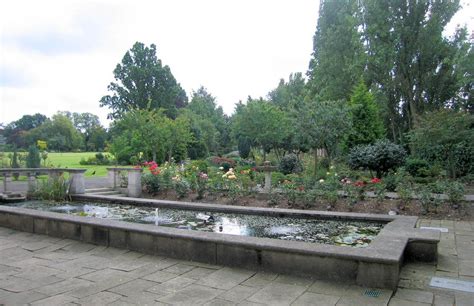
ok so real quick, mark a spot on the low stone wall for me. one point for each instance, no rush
(377, 265)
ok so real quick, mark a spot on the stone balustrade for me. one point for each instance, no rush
(76, 177)
(134, 183)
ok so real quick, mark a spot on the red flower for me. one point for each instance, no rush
(359, 184)
(375, 180)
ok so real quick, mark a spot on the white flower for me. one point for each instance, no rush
(332, 167)
(335, 174)
(327, 173)
(221, 168)
(321, 181)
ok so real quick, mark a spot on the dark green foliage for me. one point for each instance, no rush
(379, 157)
(338, 55)
(151, 183)
(446, 137)
(142, 82)
(33, 159)
(14, 160)
(290, 163)
(98, 159)
(417, 167)
(244, 146)
(454, 191)
(367, 126)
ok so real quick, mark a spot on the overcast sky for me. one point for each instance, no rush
(60, 55)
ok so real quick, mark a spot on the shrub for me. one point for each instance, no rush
(379, 157)
(244, 145)
(102, 159)
(454, 191)
(221, 161)
(55, 188)
(182, 187)
(290, 164)
(445, 137)
(417, 167)
(33, 159)
(151, 183)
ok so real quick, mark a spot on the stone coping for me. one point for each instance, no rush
(124, 169)
(5, 171)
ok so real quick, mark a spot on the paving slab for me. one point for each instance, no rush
(238, 293)
(277, 294)
(191, 295)
(315, 299)
(226, 278)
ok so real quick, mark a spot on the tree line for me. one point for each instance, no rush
(379, 70)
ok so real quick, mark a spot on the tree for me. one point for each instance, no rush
(262, 122)
(142, 82)
(338, 56)
(16, 131)
(151, 133)
(367, 126)
(204, 105)
(409, 60)
(59, 132)
(86, 124)
(446, 137)
(325, 125)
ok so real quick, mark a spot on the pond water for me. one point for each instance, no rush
(335, 232)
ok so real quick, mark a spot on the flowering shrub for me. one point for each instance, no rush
(152, 167)
(181, 186)
(201, 184)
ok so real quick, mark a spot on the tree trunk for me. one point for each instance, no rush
(315, 161)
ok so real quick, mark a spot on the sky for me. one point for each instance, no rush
(60, 55)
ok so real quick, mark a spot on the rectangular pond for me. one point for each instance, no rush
(335, 232)
(357, 248)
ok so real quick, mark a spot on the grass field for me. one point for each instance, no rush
(70, 160)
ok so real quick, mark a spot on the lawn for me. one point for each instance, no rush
(71, 160)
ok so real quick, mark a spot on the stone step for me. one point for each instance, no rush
(92, 190)
(111, 192)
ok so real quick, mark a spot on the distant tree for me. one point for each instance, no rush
(59, 132)
(204, 105)
(16, 131)
(86, 124)
(142, 82)
(324, 125)
(262, 122)
(338, 55)
(367, 126)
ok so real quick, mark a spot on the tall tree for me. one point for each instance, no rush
(338, 55)
(87, 124)
(204, 106)
(16, 132)
(409, 59)
(367, 126)
(142, 82)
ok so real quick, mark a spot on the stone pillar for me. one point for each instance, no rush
(268, 181)
(7, 178)
(77, 183)
(31, 182)
(134, 188)
(112, 178)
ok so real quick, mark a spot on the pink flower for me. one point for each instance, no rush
(375, 180)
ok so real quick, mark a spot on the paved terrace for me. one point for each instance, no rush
(42, 270)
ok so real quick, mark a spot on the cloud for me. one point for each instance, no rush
(10, 77)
